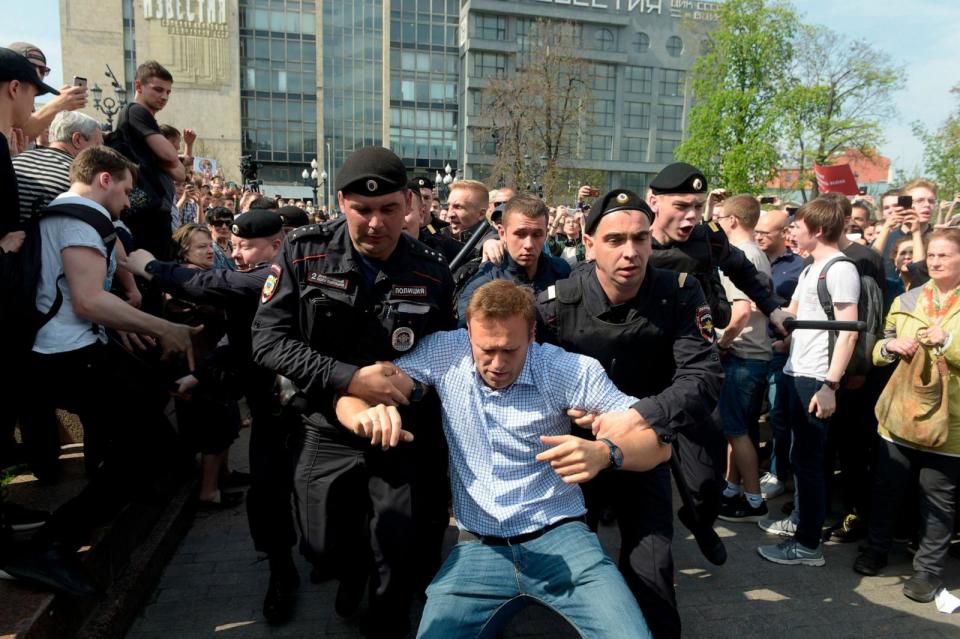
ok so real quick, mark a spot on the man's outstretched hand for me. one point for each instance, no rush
(575, 459)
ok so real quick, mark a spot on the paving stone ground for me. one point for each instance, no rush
(213, 587)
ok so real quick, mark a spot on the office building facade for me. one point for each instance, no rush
(287, 81)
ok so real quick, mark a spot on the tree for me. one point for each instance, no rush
(537, 113)
(839, 94)
(735, 119)
(941, 153)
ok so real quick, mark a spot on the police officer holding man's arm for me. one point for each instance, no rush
(344, 296)
(256, 240)
(651, 330)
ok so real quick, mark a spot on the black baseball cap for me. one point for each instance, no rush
(14, 66)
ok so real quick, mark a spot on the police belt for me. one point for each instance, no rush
(466, 535)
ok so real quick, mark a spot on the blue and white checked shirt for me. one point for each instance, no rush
(499, 488)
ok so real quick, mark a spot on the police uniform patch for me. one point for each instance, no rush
(270, 286)
(402, 339)
(705, 323)
(325, 280)
(409, 291)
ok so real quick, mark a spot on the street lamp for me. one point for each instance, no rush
(107, 105)
(314, 180)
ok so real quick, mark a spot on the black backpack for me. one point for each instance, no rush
(28, 318)
(869, 310)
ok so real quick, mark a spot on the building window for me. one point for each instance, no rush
(603, 112)
(665, 150)
(604, 77)
(633, 149)
(606, 40)
(490, 27)
(488, 65)
(640, 80)
(641, 42)
(670, 117)
(671, 84)
(600, 147)
(674, 46)
(637, 115)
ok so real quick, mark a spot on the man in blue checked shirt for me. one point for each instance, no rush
(514, 467)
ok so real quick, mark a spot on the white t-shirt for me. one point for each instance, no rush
(753, 342)
(809, 349)
(66, 331)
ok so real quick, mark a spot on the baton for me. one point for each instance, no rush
(471, 244)
(791, 324)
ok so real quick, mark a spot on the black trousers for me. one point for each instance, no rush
(355, 511)
(939, 478)
(269, 499)
(644, 507)
(137, 444)
(701, 453)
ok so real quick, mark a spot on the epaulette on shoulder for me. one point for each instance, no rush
(420, 249)
(311, 230)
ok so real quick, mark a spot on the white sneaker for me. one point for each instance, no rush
(782, 527)
(770, 486)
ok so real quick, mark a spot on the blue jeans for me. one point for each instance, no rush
(776, 399)
(741, 396)
(807, 455)
(480, 587)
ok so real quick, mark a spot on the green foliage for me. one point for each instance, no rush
(838, 94)
(735, 120)
(941, 152)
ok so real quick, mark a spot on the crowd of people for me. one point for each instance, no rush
(534, 370)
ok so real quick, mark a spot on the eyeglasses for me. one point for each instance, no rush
(221, 223)
(717, 218)
(42, 70)
(768, 233)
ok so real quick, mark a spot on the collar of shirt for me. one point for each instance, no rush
(73, 198)
(788, 256)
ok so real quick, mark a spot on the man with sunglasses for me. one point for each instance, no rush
(71, 97)
(220, 221)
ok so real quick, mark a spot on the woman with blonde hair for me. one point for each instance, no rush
(925, 317)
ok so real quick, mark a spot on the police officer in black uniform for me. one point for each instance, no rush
(651, 331)
(425, 187)
(429, 233)
(684, 244)
(257, 236)
(344, 296)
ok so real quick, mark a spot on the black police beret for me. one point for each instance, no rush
(616, 200)
(422, 183)
(257, 223)
(372, 170)
(679, 177)
(292, 216)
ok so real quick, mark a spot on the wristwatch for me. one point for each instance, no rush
(418, 389)
(831, 385)
(616, 455)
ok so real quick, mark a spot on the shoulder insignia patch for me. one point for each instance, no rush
(713, 227)
(270, 286)
(682, 279)
(704, 321)
(552, 292)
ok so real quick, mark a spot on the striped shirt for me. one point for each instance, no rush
(499, 488)
(43, 173)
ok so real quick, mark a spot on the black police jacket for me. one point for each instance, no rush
(707, 249)
(440, 242)
(659, 346)
(236, 293)
(320, 318)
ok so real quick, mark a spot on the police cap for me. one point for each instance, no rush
(422, 183)
(679, 177)
(616, 200)
(257, 223)
(372, 171)
(292, 216)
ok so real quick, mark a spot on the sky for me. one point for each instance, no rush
(920, 35)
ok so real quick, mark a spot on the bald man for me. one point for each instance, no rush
(785, 265)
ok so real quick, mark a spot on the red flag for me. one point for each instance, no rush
(836, 179)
